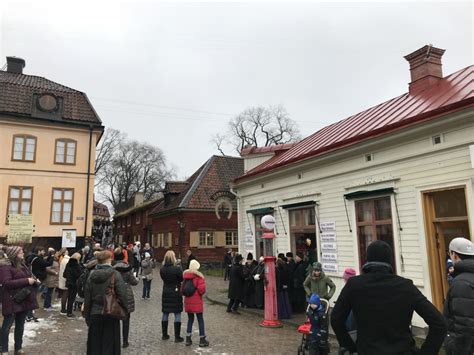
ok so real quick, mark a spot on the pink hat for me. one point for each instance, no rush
(348, 273)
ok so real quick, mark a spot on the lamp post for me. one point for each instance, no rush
(271, 307)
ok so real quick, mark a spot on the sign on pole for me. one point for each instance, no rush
(69, 238)
(21, 228)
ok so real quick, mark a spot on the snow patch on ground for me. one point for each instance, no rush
(32, 330)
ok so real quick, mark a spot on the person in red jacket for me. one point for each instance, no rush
(193, 304)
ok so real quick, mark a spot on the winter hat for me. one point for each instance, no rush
(314, 299)
(147, 255)
(12, 252)
(281, 256)
(462, 246)
(194, 265)
(317, 266)
(348, 273)
(249, 256)
(379, 251)
(289, 254)
(300, 254)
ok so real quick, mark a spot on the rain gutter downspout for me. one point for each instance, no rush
(88, 183)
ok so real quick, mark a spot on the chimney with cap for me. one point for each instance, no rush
(425, 68)
(15, 65)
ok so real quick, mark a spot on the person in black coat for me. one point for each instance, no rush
(227, 264)
(249, 283)
(259, 278)
(459, 305)
(236, 285)
(298, 301)
(383, 305)
(171, 300)
(71, 273)
(282, 281)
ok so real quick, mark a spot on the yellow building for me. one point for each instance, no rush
(48, 135)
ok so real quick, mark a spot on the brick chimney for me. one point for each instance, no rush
(15, 65)
(425, 68)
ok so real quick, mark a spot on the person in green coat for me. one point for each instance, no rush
(317, 282)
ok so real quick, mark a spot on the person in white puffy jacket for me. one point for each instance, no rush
(62, 283)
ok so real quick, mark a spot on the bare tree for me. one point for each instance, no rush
(259, 127)
(131, 167)
(108, 145)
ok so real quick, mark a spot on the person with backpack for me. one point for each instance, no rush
(193, 288)
(72, 273)
(147, 275)
(319, 333)
(130, 280)
(172, 299)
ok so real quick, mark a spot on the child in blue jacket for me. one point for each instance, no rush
(318, 336)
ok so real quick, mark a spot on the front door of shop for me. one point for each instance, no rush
(445, 219)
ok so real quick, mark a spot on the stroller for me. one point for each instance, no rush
(305, 330)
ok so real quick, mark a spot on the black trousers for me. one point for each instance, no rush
(125, 329)
(233, 304)
(19, 320)
(103, 337)
(71, 297)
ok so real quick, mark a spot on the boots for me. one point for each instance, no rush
(164, 330)
(203, 342)
(188, 340)
(177, 333)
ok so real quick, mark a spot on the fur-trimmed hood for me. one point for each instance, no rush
(190, 274)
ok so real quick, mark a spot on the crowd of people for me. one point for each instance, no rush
(97, 284)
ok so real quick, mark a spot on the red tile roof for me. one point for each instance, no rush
(215, 175)
(451, 93)
(17, 94)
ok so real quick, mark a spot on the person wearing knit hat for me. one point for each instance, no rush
(383, 304)
(193, 305)
(18, 296)
(348, 273)
(318, 336)
(459, 304)
(318, 282)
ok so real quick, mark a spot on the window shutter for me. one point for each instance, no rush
(219, 239)
(193, 239)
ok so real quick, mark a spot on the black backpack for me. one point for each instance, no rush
(81, 283)
(188, 287)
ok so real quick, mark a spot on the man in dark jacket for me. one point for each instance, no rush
(459, 305)
(383, 305)
(40, 262)
(236, 285)
(227, 264)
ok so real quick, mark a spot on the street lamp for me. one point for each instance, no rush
(271, 307)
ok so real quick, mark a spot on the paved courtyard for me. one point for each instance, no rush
(227, 333)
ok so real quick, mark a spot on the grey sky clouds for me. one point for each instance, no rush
(173, 74)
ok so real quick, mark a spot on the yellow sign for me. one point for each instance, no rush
(21, 228)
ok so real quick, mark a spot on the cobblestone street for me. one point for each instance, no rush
(227, 333)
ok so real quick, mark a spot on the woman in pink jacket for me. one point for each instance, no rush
(193, 287)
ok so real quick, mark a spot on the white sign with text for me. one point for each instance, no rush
(331, 268)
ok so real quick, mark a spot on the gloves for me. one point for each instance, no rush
(285, 287)
(256, 277)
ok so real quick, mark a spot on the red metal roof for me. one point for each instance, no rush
(451, 93)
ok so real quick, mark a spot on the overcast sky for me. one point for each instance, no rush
(172, 74)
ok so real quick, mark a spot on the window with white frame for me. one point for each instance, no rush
(206, 238)
(231, 238)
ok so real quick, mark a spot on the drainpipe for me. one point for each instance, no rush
(88, 183)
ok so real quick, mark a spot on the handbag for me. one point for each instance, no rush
(112, 306)
(21, 295)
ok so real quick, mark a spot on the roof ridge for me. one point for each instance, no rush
(39, 77)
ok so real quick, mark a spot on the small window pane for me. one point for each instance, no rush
(383, 210)
(30, 145)
(450, 203)
(67, 206)
(210, 238)
(57, 194)
(26, 193)
(25, 207)
(70, 159)
(55, 217)
(29, 156)
(14, 192)
(68, 194)
(364, 213)
(66, 217)
(13, 208)
(19, 142)
(57, 207)
(309, 217)
(385, 233)
(59, 157)
(18, 155)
